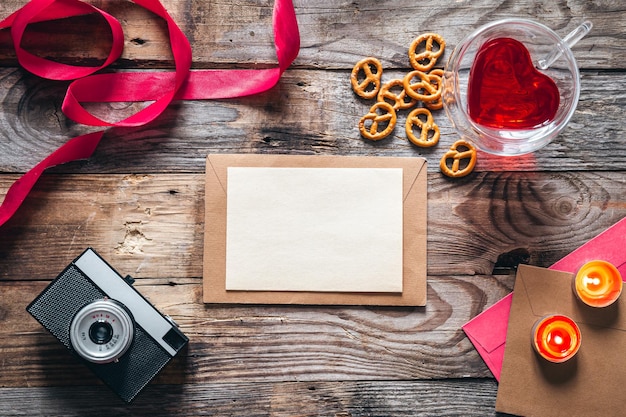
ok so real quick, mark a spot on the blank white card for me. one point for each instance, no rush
(314, 229)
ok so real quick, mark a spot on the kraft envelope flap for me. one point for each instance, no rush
(414, 230)
(550, 292)
(588, 384)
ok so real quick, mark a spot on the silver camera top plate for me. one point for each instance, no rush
(114, 286)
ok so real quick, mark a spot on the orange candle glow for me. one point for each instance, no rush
(598, 283)
(556, 338)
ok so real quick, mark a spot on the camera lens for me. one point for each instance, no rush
(102, 331)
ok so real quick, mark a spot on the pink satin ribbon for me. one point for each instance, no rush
(158, 87)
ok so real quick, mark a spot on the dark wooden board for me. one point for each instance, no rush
(463, 397)
(334, 34)
(152, 225)
(309, 112)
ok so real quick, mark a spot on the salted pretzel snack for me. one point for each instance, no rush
(400, 100)
(436, 78)
(424, 88)
(381, 116)
(366, 77)
(459, 160)
(422, 119)
(425, 50)
(422, 83)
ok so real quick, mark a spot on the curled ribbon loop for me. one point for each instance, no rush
(158, 87)
(39, 10)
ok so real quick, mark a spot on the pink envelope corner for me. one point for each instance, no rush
(487, 331)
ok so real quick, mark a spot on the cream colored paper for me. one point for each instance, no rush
(314, 229)
(414, 261)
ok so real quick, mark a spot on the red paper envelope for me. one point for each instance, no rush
(487, 331)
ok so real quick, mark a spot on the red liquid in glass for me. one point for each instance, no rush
(505, 90)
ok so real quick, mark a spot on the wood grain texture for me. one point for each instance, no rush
(125, 218)
(335, 34)
(139, 201)
(152, 225)
(274, 344)
(465, 397)
(302, 115)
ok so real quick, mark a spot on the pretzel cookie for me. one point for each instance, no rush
(425, 50)
(393, 92)
(436, 78)
(422, 119)
(379, 122)
(365, 77)
(422, 86)
(459, 160)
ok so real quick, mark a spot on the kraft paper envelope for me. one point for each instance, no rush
(414, 230)
(487, 331)
(592, 382)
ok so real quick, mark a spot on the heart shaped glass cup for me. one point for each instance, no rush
(512, 87)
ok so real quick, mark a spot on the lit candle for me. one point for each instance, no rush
(556, 338)
(598, 283)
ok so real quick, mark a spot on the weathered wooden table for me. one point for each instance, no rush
(139, 202)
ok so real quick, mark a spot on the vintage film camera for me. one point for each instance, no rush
(102, 319)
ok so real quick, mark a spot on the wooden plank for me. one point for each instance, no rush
(161, 223)
(273, 343)
(466, 397)
(152, 226)
(302, 115)
(334, 34)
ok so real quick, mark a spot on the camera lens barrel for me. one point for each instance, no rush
(102, 331)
